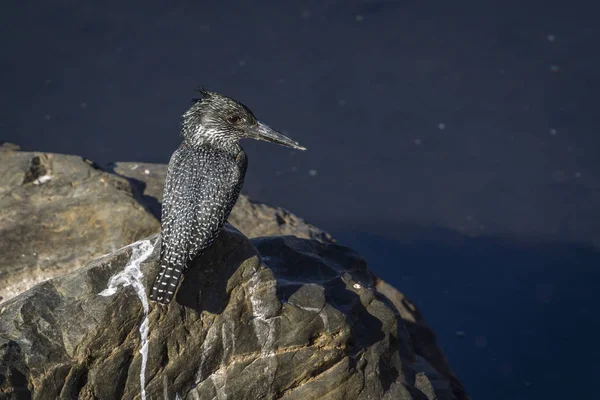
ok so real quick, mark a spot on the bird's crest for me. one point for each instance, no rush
(204, 92)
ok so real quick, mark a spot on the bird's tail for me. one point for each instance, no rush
(165, 284)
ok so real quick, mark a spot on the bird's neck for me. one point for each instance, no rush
(212, 139)
(232, 148)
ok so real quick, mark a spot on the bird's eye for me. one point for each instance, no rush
(234, 119)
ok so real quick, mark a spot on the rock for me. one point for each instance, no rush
(430, 358)
(258, 219)
(277, 317)
(57, 212)
(6, 146)
(252, 218)
(149, 179)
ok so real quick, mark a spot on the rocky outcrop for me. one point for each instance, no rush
(6, 146)
(57, 212)
(274, 317)
(271, 318)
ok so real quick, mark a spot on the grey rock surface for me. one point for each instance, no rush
(6, 146)
(57, 212)
(271, 318)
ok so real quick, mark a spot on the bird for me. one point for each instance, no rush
(204, 178)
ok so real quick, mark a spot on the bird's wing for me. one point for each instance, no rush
(213, 201)
(200, 191)
(176, 204)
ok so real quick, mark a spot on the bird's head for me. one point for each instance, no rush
(220, 120)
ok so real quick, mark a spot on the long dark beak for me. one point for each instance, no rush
(265, 132)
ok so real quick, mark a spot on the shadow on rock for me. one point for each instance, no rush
(336, 271)
(141, 194)
(207, 283)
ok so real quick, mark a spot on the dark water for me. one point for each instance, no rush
(454, 144)
(517, 319)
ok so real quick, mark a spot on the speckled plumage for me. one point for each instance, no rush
(202, 186)
(204, 179)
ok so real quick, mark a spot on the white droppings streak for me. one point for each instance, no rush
(325, 319)
(319, 311)
(132, 276)
(42, 179)
(205, 351)
(165, 387)
(263, 326)
(219, 380)
(313, 309)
